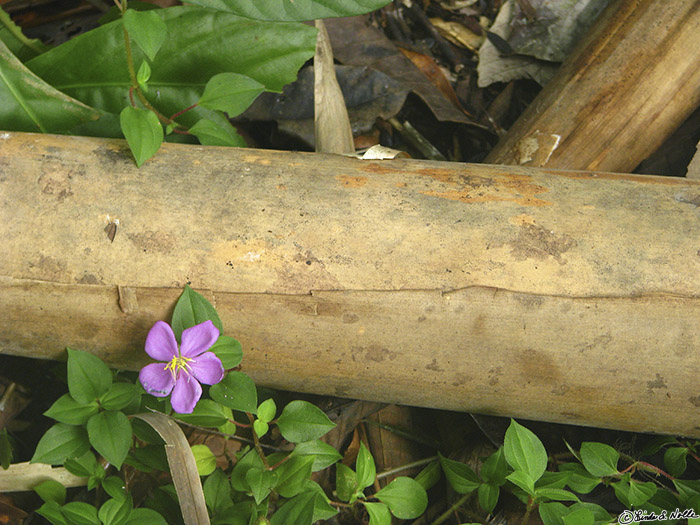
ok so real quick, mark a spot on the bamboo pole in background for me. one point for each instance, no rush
(561, 296)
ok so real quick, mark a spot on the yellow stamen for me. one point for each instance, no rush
(178, 363)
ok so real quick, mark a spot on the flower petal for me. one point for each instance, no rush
(156, 380)
(186, 393)
(207, 368)
(161, 343)
(198, 339)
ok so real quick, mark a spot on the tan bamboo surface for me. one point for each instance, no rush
(554, 295)
(629, 84)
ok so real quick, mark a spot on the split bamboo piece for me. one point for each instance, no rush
(630, 83)
(553, 295)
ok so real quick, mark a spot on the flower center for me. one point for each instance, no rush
(178, 363)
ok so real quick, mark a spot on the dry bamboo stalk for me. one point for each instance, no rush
(560, 296)
(628, 85)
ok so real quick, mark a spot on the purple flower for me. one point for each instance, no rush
(185, 368)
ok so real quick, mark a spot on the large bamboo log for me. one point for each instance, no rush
(560, 296)
(629, 84)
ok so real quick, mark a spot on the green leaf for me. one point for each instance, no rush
(51, 490)
(143, 75)
(639, 493)
(555, 494)
(298, 510)
(552, 513)
(228, 350)
(220, 133)
(260, 427)
(675, 460)
(553, 480)
(301, 421)
(365, 467)
(293, 475)
(192, 308)
(61, 441)
(115, 487)
(378, 513)
(429, 476)
(599, 459)
(5, 450)
(204, 457)
(28, 103)
(79, 513)
(622, 489)
(346, 484)
(206, 413)
(52, 512)
(580, 516)
(495, 468)
(110, 434)
(600, 515)
(116, 511)
(88, 376)
(22, 47)
(462, 478)
(286, 10)
(322, 507)
(324, 454)
(236, 391)
(84, 466)
(119, 396)
(581, 480)
(260, 481)
(230, 92)
(687, 489)
(488, 496)
(405, 498)
(148, 458)
(143, 132)
(267, 410)
(523, 480)
(66, 410)
(217, 492)
(147, 29)
(524, 451)
(238, 475)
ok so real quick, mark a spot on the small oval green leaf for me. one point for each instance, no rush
(143, 132)
(301, 421)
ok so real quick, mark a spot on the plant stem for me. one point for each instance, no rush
(448, 513)
(284, 459)
(184, 111)
(528, 510)
(396, 470)
(256, 441)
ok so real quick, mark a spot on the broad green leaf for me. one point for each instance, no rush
(622, 489)
(260, 427)
(79, 513)
(267, 410)
(301, 421)
(580, 516)
(5, 450)
(110, 434)
(238, 475)
(553, 480)
(405, 498)
(206, 413)
(22, 47)
(287, 10)
(324, 454)
(220, 133)
(555, 494)
(52, 512)
(217, 492)
(552, 513)
(143, 132)
(687, 489)
(115, 487)
(599, 459)
(460, 476)
(84, 466)
(51, 490)
(495, 468)
(119, 396)
(523, 480)
(260, 481)
(61, 441)
(230, 92)
(488, 496)
(28, 103)
(346, 484)
(201, 44)
(429, 476)
(378, 513)
(365, 467)
(116, 511)
(524, 451)
(675, 460)
(581, 480)
(322, 507)
(88, 376)
(298, 510)
(191, 309)
(293, 475)
(147, 29)
(640, 492)
(600, 515)
(236, 391)
(204, 457)
(229, 350)
(148, 458)
(66, 410)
